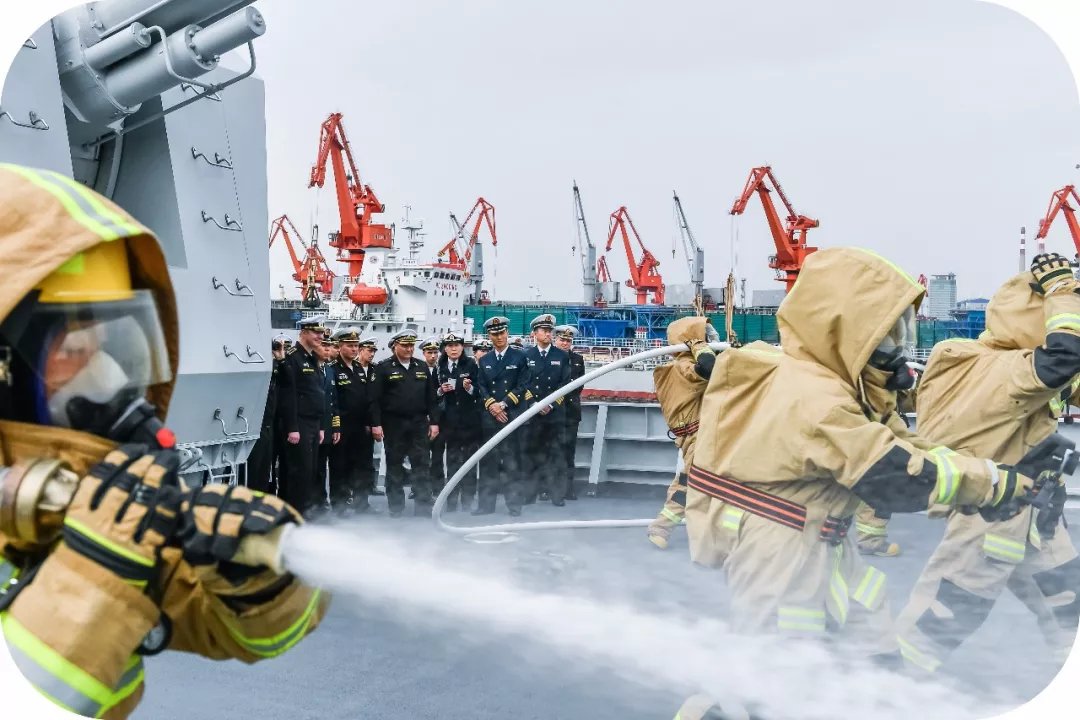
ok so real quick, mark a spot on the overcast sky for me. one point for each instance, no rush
(929, 130)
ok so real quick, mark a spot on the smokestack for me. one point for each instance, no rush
(1023, 249)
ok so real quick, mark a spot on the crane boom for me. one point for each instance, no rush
(587, 251)
(789, 237)
(357, 203)
(695, 256)
(464, 254)
(1059, 202)
(313, 273)
(644, 275)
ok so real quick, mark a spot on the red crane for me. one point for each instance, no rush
(461, 259)
(313, 272)
(1059, 202)
(644, 276)
(356, 204)
(790, 238)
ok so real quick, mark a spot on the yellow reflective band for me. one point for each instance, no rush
(838, 588)
(106, 543)
(731, 517)
(916, 657)
(280, 643)
(800, 619)
(1003, 548)
(865, 529)
(75, 266)
(127, 228)
(894, 266)
(92, 215)
(672, 516)
(1063, 321)
(1057, 406)
(947, 474)
(868, 591)
(54, 676)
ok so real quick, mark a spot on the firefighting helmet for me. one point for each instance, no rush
(87, 342)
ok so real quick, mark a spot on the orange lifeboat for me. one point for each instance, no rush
(362, 294)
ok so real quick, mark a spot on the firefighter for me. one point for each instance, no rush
(503, 379)
(797, 436)
(564, 340)
(88, 327)
(404, 415)
(549, 370)
(460, 424)
(999, 396)
(680, 386)
(431, 348)
(302, 400)
(348, 493)
(259, 468)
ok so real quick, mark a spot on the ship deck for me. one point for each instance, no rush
(365, 661)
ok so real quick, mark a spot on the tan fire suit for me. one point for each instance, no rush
(74, 627)
(680, 386)
(792, 445)
(998, 396)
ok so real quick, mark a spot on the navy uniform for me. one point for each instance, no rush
(564, 339)
(545, 460)
(258, 469)
(503, 379)
(302, 400)
(404, 405)
(431, 347)
(348, 491)
(460, 423)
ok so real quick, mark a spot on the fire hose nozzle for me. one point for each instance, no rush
(35, 494)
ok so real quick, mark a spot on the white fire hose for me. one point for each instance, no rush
(505, 531)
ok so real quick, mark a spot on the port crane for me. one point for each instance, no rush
(644, 276)
(313, 272)
(466, 255)
(789, 237)
(593, 271)
(356, 203)
(695, 256)
(1060, 202)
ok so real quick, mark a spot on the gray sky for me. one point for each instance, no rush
(928, 130)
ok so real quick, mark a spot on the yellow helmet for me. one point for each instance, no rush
(98, 274)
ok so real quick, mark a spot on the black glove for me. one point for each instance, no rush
(216, 517)
(1010, 493)
(1049, 269)
(1046, 521)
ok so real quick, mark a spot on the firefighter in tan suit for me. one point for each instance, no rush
(793, 439)
(999, 396)
(88, 325)
(680, 386)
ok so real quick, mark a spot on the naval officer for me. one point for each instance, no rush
(549, 370)
(564, 340)
(302, 402)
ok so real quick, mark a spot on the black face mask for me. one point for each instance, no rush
(901, 377)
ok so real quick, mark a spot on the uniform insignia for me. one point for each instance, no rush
(554, 362)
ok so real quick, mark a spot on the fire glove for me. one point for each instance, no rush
(124, 511)
(1006, 500)
(1047, 520)
(215, 518)
(1051, 272)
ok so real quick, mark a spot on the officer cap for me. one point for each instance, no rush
(347, 336)
(482, 344)
(497, 324)
(450, 338)
(370, 342)
(329, 341)
(517, 342)
(566, 332)
(312, 324)
(405, 337)
(429, 344)
(547, 320)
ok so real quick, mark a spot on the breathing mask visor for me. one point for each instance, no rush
(82, 365)
(890, 355)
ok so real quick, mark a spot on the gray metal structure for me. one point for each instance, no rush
(586, 249)
(695, 256)
(625, 442)
(129, 97)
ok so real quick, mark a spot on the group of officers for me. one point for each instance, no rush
(329, 402)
